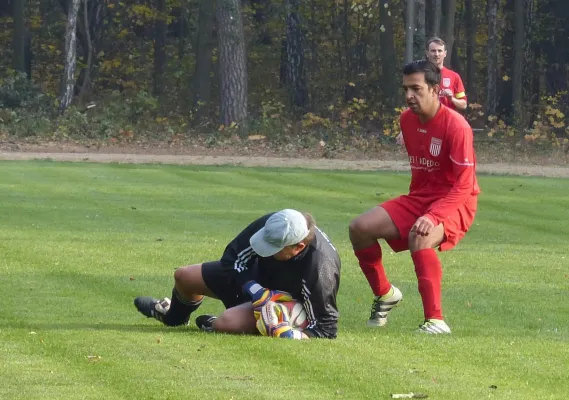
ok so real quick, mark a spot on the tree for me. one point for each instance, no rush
(19, 41)
(295, 70)
(233, 66)
(388, 55)
(68, 81)
(89, 33)
(448, 35)
(204, 52)
(434, 17)
(519, 44)
(492, 56)
(159, 42)
(420, 36)
(409, 30)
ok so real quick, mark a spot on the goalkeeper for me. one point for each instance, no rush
(280, 256)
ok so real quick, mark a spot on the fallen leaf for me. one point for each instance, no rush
(94, 358)
(256, 137)
(131, 278)
(408, 396)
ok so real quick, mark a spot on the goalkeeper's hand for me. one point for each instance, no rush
(273, 320)
(260, 296)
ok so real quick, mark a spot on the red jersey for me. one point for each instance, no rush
(442, 159)
(451, 80)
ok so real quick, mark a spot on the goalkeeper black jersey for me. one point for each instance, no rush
(312, 276)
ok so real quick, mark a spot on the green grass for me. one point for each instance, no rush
(79, 241)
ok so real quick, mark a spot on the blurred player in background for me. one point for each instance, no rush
(279, 256)
(439, 208)
(452, 93)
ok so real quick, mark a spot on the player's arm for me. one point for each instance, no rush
(462, 160)
(319, 292)
(239, 254)
(273, 320)
(459, 104)
(459, 99)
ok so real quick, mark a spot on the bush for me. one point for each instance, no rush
(17, 91)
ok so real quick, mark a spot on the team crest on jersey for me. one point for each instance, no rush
(435, 147)
(446, 82)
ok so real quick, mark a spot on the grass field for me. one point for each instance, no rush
(79, 241)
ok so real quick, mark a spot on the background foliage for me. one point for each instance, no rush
(313, 68)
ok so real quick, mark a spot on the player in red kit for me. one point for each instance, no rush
(439, 208)
(452, 93)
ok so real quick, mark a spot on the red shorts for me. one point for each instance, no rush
(405, 210)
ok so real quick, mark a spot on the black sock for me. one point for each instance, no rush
(180, 309)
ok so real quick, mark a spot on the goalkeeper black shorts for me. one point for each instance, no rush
(221, 281)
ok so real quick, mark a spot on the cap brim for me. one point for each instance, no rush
(262, 247)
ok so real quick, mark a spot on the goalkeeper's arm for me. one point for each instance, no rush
(273, 320)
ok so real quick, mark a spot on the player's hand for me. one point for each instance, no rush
(273, 320)
(285, 331)
(399, 139)
(447, 92)
(261, 296)
(423, 226)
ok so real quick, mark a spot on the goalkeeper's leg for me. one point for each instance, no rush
(187, 296)
(239, 319)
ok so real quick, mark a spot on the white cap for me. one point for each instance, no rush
(283, 228)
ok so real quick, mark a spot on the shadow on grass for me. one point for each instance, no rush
(100, 326)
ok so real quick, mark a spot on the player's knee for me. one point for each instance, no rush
(228, 323)
(180, 275)
(357, 227)
(186, 275)
(419, 242)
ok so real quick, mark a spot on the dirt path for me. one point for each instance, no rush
(252, 161)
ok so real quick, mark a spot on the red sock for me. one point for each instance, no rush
(429, 275)
(372, 267)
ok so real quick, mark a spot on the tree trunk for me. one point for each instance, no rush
(470, 27)
(519, 43)
(492, 55)
(159, 43)
(346, 34)
(89, 32)
(262, 20)
(314, 62)
(420, 31)
(505, 86)
(86, 83)
(184, 22)
(449, 30)
(389, 81)
(433, 15)
(296, 75)
(530, 92)
(204, 63)
(68, 81)
(409, 30)
(233, 65)
(19, 41)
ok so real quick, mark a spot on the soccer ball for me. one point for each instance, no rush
(272, 313)
(296, 314)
